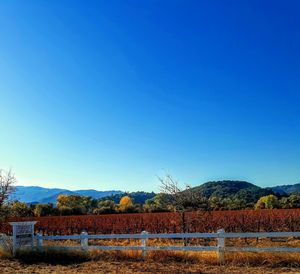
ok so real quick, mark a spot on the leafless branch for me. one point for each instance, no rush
(7, 183)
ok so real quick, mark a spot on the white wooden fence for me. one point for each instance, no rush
(220, 248)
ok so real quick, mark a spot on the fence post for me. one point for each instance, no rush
(39, 241)
(84, 242)
(221, 246)
(14, 237)
(144, 243)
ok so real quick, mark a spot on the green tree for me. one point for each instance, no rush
(234, 203)
(43, 210)
(160, 203)
(164, 201)
(216, 203)
(268, 202)
(105, 207)
(292, 201)
(75, 204)
(89, 203)
(20, 209)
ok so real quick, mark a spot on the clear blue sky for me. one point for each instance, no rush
(109, 94)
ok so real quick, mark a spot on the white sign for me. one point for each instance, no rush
(23, 233)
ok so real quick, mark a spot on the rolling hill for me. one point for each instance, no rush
(232, 189)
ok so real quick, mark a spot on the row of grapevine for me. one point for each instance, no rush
(170, 222)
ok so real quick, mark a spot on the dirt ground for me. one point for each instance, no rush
(14, 266)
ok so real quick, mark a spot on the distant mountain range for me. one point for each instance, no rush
(286, 189)
(36, 194)
(222, 189)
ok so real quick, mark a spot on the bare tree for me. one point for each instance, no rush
(170, 187)
(7, 185)
(182, 199)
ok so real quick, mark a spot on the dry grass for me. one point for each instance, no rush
(154, 262)
(251, 259)
(272, 260)
(132, 266)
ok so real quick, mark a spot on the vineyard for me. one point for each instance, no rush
(171, 222)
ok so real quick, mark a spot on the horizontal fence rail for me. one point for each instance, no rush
(134, 236)
(220, 236)
(175, 235)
